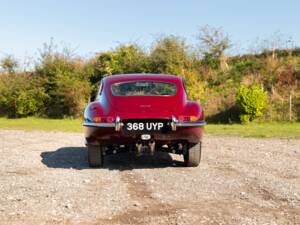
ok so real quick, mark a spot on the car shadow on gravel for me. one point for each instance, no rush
(76, 158)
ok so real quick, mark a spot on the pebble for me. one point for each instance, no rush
(86, 181)
(68, 206)
(243, 195)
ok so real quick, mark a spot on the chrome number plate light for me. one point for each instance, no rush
(145, 137)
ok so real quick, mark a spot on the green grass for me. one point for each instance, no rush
(31, 123)
(262, 130)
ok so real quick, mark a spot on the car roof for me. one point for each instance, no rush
(142, 76)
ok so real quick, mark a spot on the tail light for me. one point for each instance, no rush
(188, 118)
(99, 119)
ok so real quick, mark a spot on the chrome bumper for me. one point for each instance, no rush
(191, 124)
(175, 123)
(91, 124)
(118, 124)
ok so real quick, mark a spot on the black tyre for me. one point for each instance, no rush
(192, 156)
(95, 156)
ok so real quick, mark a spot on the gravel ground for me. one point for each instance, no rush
(45, 179)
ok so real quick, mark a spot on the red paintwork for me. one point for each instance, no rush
(142, 107)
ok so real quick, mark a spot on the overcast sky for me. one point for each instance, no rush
(92, 26)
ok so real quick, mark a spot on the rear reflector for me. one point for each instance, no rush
(98, 119)
(188, 118)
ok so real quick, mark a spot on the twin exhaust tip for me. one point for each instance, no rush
(139, 146)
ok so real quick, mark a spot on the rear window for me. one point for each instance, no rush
(143, 88)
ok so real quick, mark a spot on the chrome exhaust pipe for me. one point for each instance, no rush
(139, 147)
(152, 147)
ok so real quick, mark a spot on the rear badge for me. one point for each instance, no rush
(145, 137)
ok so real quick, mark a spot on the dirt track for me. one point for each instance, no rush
(45, 179)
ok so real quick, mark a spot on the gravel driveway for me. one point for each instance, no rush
(45, 179)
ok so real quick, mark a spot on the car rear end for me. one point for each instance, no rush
(147, 115)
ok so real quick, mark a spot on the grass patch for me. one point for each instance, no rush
(260, 130)
(31, 123)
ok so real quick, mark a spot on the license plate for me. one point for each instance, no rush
(144, 126)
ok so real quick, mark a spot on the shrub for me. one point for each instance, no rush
(211, 61)
(195, 87)
(169, 56)
(66, 83)
(247, 66)
(251, 102)
(21, 95)
(30, 102)
(9, 64)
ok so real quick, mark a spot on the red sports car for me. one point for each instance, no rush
(143, 112)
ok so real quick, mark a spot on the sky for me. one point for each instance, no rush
(90, 26)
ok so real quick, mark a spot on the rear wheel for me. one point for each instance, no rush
(95, 156)
(192, 155)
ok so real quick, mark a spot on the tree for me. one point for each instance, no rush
(9, 64)
(215, 42)
(124, 59)
(65, 81)
(169, 55)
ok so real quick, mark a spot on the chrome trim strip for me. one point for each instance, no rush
(91, 124)
(191, 124)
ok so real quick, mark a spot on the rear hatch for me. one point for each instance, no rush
(145, 97)
(146, 105)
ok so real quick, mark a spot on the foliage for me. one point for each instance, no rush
(124, 59)
(251, 102)
(247, 66)
(21, 95)
(66, 83)
(211, 61)
(169, 56)
(195, 87)
(30, 102)
(9, 64)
